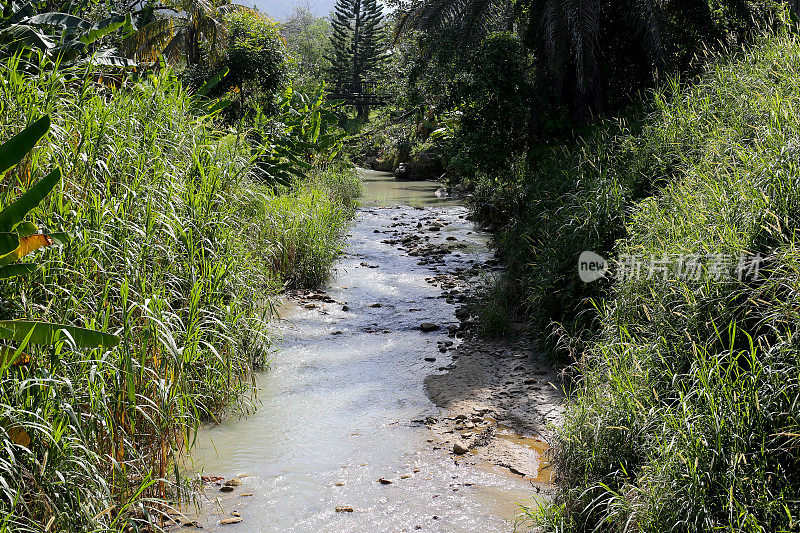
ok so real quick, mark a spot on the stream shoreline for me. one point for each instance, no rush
(383, 410)
(499, 397)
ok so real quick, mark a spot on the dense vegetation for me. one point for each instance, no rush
(657, 132)
(204, 171)
(685, 414)
(191, 194)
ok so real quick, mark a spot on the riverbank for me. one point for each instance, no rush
(684, 354)
(502, 397)
(344, 420)
(177, 246)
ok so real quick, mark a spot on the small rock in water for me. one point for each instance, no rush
(230, 520)
(376, 305)
(384, 481)
(233, 482)
(345, 308)
(459, 449)
(344, 509)
(226, 488)
(428, 326)
(430, 359)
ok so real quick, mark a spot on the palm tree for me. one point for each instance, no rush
(581, 46)
(473, 19)
(178, 37)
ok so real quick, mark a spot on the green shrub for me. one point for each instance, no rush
(255, 56)
(494, 102)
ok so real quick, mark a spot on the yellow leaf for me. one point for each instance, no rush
(31, 244)
(6, 353)
(19, 436)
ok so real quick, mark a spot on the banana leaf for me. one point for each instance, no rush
(46, 333)
(59, 20)
(29, 200)
(16, 270)
(213, 82)
(110, 61)
(13, 150)
(9, 241)
(104, 27)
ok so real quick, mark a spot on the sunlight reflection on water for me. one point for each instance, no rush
(335, 409)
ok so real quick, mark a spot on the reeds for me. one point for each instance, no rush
(685, 411)
(168, 252)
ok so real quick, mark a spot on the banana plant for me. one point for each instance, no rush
(20, 238)
(202, 104)
(312, 121)
(309, 134)
(62, 36)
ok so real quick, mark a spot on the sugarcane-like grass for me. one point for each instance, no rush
(174, 248)
(684, 413)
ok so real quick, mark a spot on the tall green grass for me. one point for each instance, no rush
(304, 233)
(685, 415)
(176, 249)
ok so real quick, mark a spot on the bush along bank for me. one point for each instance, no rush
(684, 411)
(174, 247)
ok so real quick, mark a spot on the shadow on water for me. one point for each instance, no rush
(335, 408)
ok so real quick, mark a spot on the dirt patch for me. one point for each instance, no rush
(500, 398)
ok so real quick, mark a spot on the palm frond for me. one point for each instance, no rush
(647, 17)
(583, 23)
(175, 47)
(150, 40)
(475, 18)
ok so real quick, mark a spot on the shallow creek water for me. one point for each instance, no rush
(337, 406)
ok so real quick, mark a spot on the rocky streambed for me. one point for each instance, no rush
(382, 411)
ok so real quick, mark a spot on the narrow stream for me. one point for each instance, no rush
(338, 405)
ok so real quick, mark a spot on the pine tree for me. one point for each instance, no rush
(356, 44)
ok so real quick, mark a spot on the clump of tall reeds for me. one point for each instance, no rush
(168, 252)
(685, 414)
(306, 225)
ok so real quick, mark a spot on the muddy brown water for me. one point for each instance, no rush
(337, 406)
